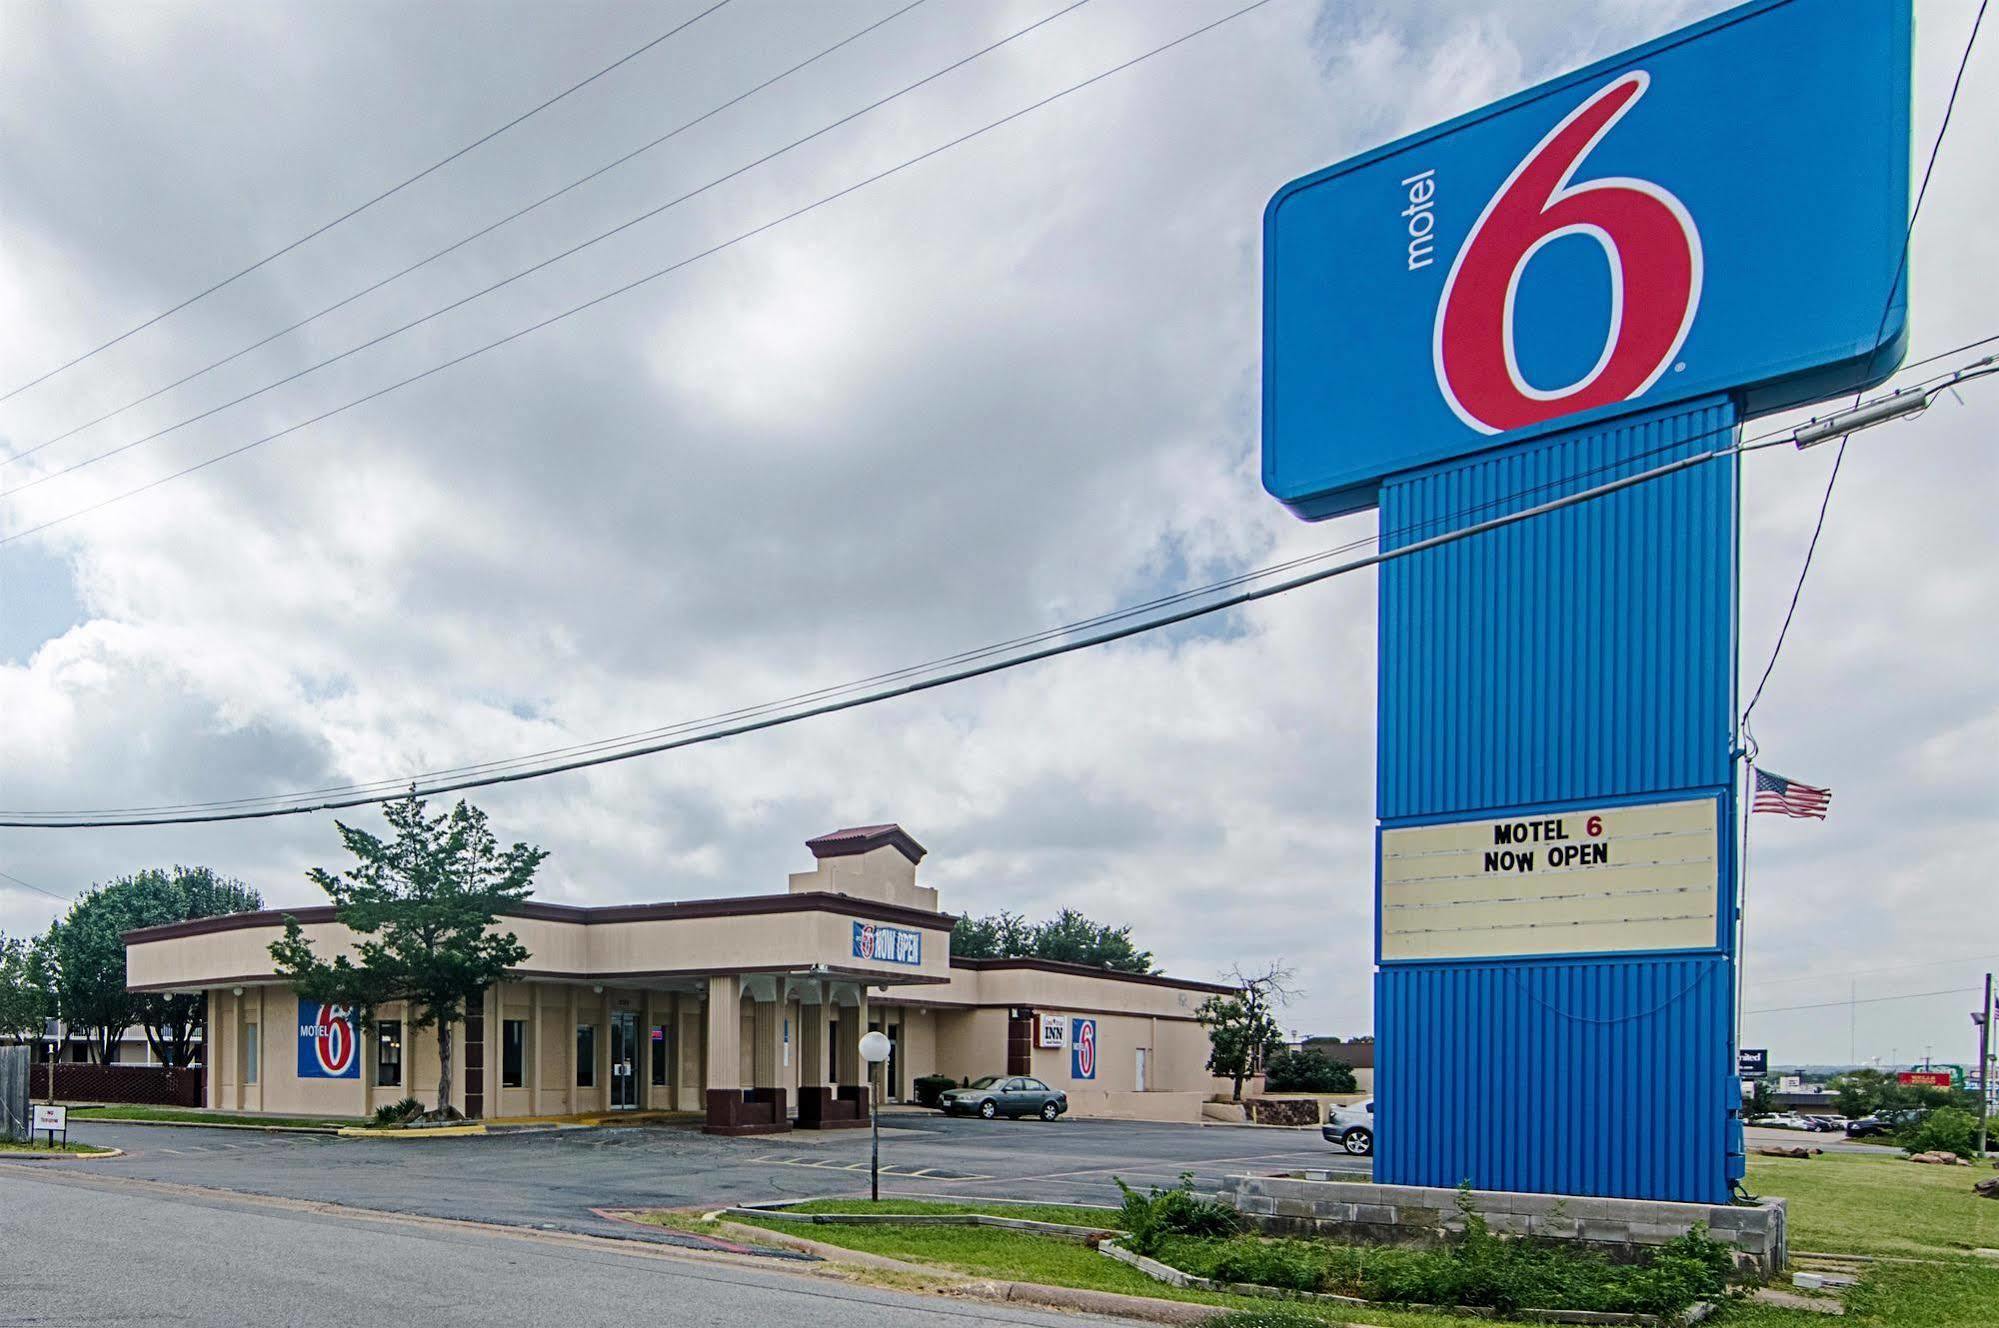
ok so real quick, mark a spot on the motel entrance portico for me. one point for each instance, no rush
(748, 1011)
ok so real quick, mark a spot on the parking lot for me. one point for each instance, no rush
(555, 1179)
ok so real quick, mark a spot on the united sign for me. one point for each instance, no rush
(329, 1043)
(1722, 210)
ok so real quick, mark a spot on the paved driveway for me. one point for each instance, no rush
(555, 1179)
(87, 1252)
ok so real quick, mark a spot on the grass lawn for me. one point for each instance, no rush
(1839, 1203)
(183, 1116)
(1847, 1204)
(10, 1146)
(1025, 1257)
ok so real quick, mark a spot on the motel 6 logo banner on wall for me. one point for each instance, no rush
(1721, 210)
(329, 1042)
(1082, 1049)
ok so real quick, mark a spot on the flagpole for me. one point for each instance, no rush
(1742, 892)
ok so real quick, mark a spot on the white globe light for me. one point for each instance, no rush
(874, 1048)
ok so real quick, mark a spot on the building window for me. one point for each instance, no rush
(659, 1056)
(389, 1053)
(513, 1052)
(586, 1055)
(249, 1053)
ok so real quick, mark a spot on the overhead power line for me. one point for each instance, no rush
(1848, 974)
(458, 244)
(422, 786)
(1901, 271)
(1412, 530)
(358, 209)
(550, 261)
(629, 286)
(26, 885)
(1864, 1000)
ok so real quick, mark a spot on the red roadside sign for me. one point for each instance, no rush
(1925, 1078)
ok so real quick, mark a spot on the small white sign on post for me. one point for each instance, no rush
(54, 1120)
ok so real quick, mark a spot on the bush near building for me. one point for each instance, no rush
(930, 1088)
(1307, 1072)
(1945, 1130)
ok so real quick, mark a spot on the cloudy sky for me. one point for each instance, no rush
(1009, 387)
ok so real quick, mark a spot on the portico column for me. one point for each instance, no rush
(724, 1076)
(813, 1069)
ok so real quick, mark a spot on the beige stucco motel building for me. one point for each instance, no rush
(749, 1010)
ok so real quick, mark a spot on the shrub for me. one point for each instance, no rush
(930, 1088)
(1307, 1072)
(1294, 1265)
(1273, 1316)
(399, 1113)
(1149, 1218)
(1945, 1130)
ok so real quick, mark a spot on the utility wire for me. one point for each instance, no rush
(1846, 974)
(1894, 287)
(1389, 535)
(1864, 1000)
(458, 244)
(784, 711)
(531, 328)
(422, 788)
(9, 876)
(363, 207)
(550, 261)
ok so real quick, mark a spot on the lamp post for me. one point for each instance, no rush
(874, 1050)
(1984, 1021)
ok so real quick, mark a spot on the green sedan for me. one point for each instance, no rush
(1005, 1095)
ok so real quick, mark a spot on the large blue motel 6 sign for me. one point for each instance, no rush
(1587, 280)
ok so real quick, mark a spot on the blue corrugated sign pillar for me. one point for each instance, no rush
(1580, 659)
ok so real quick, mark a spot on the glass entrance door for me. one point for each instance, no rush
(624, 1059)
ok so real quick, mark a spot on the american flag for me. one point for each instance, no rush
(1788, 797)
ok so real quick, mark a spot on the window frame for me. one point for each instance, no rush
(389, 1037)
(513, 1053)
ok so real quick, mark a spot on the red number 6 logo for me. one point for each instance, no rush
(1647, 237)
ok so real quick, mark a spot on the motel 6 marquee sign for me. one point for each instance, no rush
(1721, 210)
(1623, 262)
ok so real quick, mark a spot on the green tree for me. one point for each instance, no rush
(1760, 1102)
(1069, 937)
(1873, 1092)
(1242, 1027)
(422, 907)
(1000, 935)
(85, 951)
(1072, 938)
(25, 1000)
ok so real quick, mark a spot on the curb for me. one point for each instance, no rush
(420, 1132)
(11, 1156)
(215, 1125)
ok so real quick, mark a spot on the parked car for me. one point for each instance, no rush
(1004, 1095)
(1352, 1128)
(1886, 1123)
(1825, 1124)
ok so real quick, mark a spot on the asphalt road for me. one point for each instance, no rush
(554, 1180)
(88, 1250)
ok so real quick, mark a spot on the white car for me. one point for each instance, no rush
(1352, 1128)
